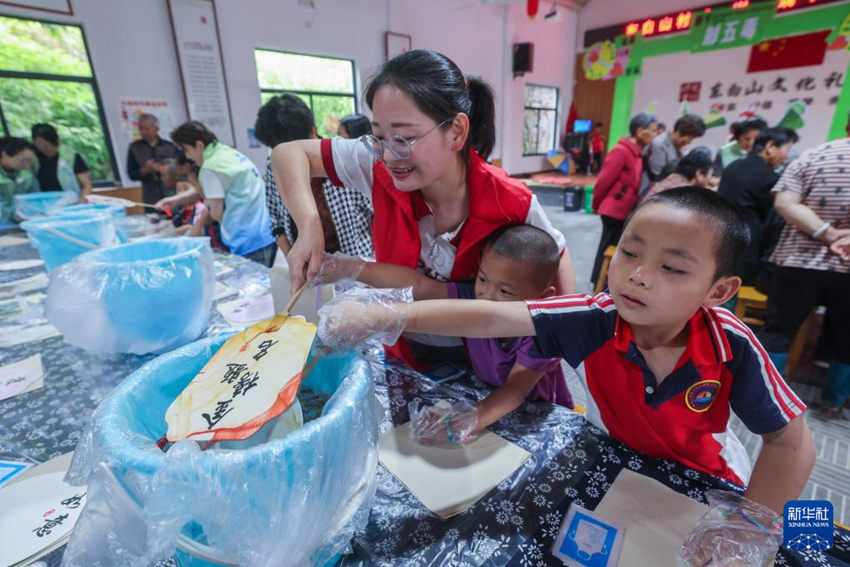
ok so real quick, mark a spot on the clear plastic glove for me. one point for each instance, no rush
(443, 423)
(734, 532)
(360, 314)
(338, 267)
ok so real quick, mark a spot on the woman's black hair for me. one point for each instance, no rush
(284, 118)
(741, 127)
(356, 125)
(698, 160)
(12, 146)
(45, 132)
(641, 120)
(439, 89)
(192, 132)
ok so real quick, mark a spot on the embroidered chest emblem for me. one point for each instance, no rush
(700, 396)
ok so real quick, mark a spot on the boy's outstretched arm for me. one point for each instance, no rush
(508, 396)
(380, 275)
(783, 466)
(472, 318)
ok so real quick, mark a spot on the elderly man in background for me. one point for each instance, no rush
(147, 159)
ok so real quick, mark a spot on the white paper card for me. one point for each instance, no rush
(36, 513)
(657, 518)
(22, 376)
(12, 240)
(222, 291)
(20, 265)
(247, 310)
(38, 281)
(12, 335)
(449, 480)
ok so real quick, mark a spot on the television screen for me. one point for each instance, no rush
(582, 126)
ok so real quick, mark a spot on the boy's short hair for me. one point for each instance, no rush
(778, 135)
(733, 234)
(698, 160)
(690, 125)
(284, 118)
(527, 243)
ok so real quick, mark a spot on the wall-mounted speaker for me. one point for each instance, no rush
(523, 58)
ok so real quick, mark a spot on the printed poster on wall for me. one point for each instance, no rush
(133, 108)
(201, 66)
(717, 86)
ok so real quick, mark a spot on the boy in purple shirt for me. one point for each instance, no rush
(517, 262)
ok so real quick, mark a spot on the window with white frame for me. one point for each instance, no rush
(540, 130)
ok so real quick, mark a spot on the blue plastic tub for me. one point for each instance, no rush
(60, 238)
(31, 205)
(149, 296)
(292, 501)
(114, 210)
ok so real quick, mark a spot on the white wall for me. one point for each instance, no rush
(132, 50)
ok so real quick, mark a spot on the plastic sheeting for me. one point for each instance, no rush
(114, 210)
(138, 298)
(293, 501)
(31, 205)
(61, 238)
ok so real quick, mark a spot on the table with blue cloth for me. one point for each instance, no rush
(516, 524)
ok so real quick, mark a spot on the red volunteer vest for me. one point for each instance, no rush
(494, 201)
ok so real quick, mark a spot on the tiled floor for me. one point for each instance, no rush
(830, 479)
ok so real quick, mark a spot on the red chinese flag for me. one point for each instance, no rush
(787, 52)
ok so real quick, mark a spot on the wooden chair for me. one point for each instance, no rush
(603, 270)
(751, 309)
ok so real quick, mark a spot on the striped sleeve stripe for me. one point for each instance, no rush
(568, 304)
(781, 394)
(717, 332)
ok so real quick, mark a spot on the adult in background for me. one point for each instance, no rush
(56, 172)
(345, 213)
(353, 126)
(233, 191)
(666, 148)
(696, 169)
(146, 155)
(597, 148)
(744, 134)
(16, 159)
(813, 195)
(616, 191)
(747, 183)
(423, 169)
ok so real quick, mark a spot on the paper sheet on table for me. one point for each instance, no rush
(449, 480)
(38, 281)
(222, 291)
(23, 376)
(13, 265)
(12, 335)
(657, 518)
(247, 310)
(12, 240)
(38, 512)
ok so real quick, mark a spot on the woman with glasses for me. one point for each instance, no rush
(435, 199)
(16, 159)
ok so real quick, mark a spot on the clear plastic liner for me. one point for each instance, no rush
(138, 298)
(61, 238)
(291, 501)
(735, 531)
(31, 205)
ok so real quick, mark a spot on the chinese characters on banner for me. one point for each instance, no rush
(727, 91)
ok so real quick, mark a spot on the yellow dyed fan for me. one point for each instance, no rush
(253, 378)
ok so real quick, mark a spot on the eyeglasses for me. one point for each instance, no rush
(399, 147)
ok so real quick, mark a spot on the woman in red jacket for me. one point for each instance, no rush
(616, 191)
(435, 198)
